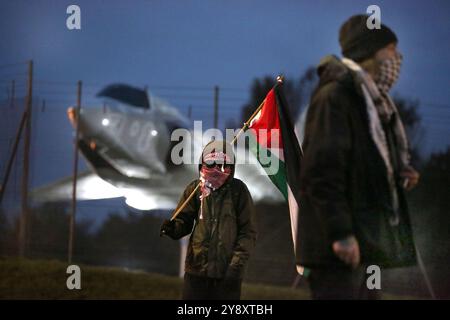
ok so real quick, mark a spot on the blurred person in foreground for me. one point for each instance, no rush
(356, 168)
(221, 221)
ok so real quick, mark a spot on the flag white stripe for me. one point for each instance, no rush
(293, 212)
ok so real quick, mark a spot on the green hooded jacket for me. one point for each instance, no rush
(224, 235)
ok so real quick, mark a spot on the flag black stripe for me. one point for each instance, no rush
(291, 148)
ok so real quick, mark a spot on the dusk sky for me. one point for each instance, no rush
(181, 49)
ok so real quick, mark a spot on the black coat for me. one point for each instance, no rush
(344, 184)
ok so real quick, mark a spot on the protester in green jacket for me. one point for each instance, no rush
(221, 221)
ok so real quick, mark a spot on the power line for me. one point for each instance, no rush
(435, 105)
(178, 87)
(12, 76)
(201, 97)
(151, 87)
(9, 65)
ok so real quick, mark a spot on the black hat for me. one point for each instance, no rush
(358, 42)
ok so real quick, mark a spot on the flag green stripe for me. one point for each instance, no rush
(279, 178)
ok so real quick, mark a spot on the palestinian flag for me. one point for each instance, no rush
(275, 145)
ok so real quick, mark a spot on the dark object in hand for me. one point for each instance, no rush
(232, 278)
(167, 228)
(232, 273)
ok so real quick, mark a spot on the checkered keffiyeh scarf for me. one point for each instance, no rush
(381, 109)
(389, 73)
(213, 178)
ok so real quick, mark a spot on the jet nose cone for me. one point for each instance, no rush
(72, 115)
(90, 121)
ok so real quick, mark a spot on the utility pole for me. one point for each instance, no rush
(75, 175)
(189, 113)
(216, 107)
(23, 224)
(13, 155)
(13, 93)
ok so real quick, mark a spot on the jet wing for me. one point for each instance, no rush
(156, 193)
(165, 193)
(259, 184)
(89, 187)
(256, 179)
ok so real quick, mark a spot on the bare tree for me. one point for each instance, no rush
(296, 91)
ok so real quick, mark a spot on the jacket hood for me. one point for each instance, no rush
(331, 68)
(219, 146)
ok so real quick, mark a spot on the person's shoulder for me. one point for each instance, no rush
(336, 81)
(336, 94)
(239, 184)
(338, 89)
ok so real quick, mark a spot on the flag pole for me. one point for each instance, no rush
(244, 128)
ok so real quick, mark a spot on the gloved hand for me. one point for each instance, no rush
(167, 228)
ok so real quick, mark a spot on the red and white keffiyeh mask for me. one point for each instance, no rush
(214, 172)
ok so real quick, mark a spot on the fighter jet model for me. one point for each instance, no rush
(127, 145)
